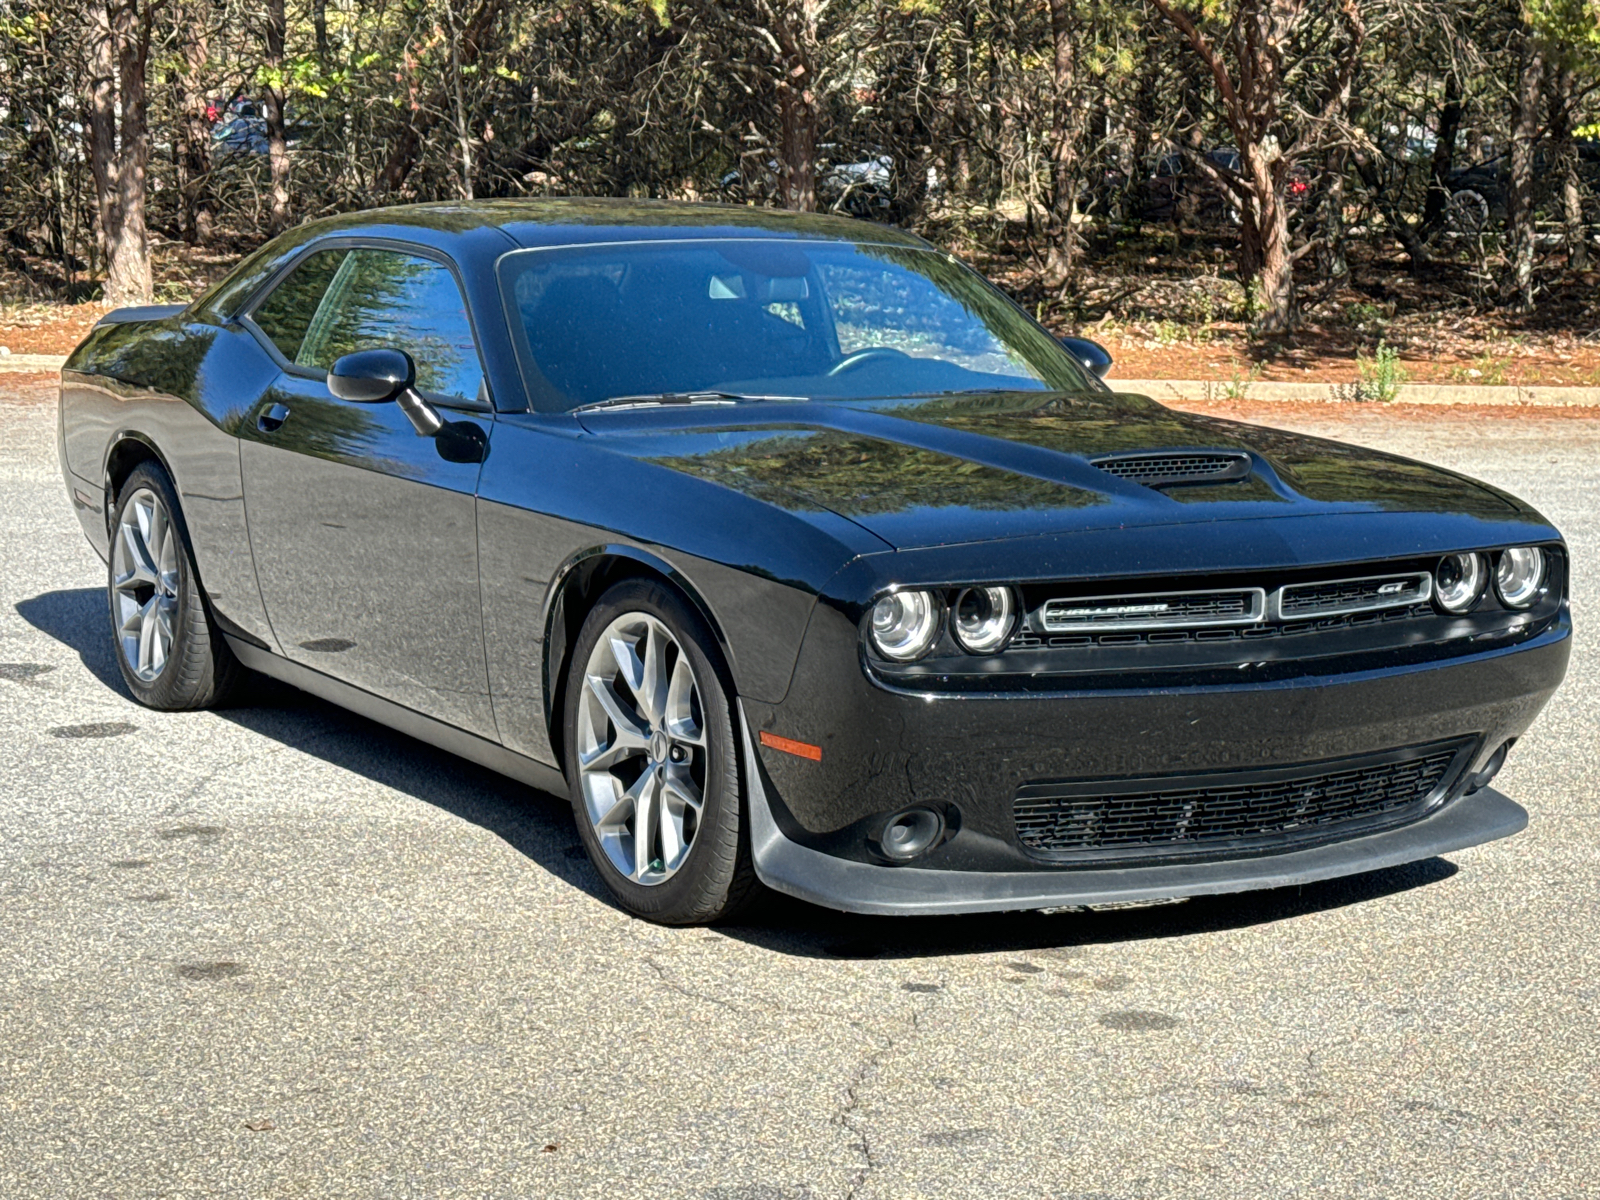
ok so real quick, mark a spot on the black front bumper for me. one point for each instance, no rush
(861, 887)
(883, 750)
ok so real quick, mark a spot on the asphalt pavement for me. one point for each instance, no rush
(279, 951)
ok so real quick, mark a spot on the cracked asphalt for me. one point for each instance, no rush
(280, 951)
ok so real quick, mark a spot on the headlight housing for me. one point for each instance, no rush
(984, 619)
(1519, 575)
(905, 624)
(1458, 581)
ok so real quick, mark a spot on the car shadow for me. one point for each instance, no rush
(536, 824)
(539, 826)
(78, 618)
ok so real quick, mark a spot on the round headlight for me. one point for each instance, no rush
(905, 624)
(1519, 575)
(983, 619)
(1458, 581)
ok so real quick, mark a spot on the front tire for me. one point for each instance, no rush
(171, 655)
(652, 761)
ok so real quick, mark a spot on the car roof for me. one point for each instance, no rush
(584, 221)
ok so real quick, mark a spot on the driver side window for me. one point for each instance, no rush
(339, 301)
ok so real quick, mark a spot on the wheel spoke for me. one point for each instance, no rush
(147, 637)
(628, 729)
(163, 639)
(626, 655)
(603, 758)
(678, 786)
(646, 813)
(671, 826)
(155, 528)
(140, 568)
(131, 614)
(622, 807)
(653, 701)
(680, 718)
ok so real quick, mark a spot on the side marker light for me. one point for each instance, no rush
(790, 746)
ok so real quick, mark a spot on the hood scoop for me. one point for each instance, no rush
(1165, 468)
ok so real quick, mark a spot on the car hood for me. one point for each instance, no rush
(921, 472)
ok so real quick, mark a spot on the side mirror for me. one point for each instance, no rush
(1092, 355)
(374, 376)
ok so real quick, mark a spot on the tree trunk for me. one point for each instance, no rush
(1566, 161)
(1266, 265)
(319, 27)
(119, 147)
(1520, 231)
(277, 137)
(463, 133)
(1335, 262)
(1063, 135)
(796, 34)
(192, 146)
(1444, 156)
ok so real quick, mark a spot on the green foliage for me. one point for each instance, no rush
(402, 100)
(1381, 375)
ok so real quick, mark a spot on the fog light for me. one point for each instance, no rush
(1458, 581)
(1491, 768)
(910, 833)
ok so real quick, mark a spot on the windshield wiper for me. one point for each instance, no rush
(658, 398)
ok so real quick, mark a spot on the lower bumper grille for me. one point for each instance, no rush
(1260, 811)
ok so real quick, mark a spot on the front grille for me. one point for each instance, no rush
(1353, 595)
(1266, 810)
(1029, 640)
(1160, 470)
(1159, 610)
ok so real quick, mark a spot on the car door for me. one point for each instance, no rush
(363, 535)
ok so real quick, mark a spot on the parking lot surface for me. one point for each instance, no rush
(280, 951)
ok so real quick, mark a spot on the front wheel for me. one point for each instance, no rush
(171, 655)
(652, 762)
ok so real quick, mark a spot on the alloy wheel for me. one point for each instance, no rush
(144, 583)
(641, 748)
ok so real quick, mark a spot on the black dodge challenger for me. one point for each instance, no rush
(797, 554)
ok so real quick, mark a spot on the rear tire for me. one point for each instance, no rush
(170, 652)
(651, 747)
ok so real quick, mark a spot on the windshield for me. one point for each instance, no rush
(827, 320)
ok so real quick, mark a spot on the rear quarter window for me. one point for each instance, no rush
(286, 314)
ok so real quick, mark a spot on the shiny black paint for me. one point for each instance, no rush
(371, 376)
(973, 751)
(364, 539)
(449, 585)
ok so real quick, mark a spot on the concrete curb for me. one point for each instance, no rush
(1347, 393)
(31, 363)
(1212, 390)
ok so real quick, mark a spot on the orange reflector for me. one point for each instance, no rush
(790, 746)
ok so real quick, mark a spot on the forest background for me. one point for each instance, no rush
(1213, 188)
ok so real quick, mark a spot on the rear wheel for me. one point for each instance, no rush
(652, 763)
(169, 651)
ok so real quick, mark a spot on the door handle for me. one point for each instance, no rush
(273, 418)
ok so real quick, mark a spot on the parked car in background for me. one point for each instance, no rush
(1478, 192)
(863, 189)
(1175, 187)
(794, 552)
